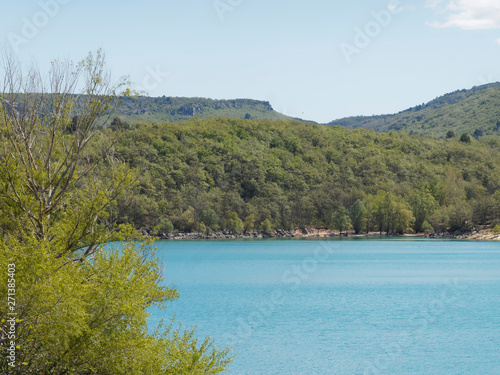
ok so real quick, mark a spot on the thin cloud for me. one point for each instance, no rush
(466, 14)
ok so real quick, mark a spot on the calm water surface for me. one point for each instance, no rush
(359, 306)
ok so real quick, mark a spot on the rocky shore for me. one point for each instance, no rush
(476, 234)
(279, 233)
(484, 234)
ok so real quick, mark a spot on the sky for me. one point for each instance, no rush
(318, 60)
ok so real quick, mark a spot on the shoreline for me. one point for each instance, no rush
(483, 234)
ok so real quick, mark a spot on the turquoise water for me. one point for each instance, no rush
(359, 306)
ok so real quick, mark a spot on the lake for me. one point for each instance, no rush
(341, 306)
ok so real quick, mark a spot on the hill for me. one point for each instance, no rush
(169, 109)
(475, 111)
(215, 173)
(175, 109)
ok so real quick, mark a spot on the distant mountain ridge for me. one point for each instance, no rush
(175, 109)
(475, 111)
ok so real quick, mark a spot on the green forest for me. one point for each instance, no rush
(474, 112)
(77, 200)
(77, 286)
(173, 109)
(239, 175)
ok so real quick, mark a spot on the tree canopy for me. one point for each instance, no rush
(290, 174)
(463, 111)
(80, 298)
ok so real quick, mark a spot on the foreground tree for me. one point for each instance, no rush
(80, 303)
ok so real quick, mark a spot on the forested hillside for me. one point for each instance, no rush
(212, 174)
(170, 109)
(475, 112)
(174, 109)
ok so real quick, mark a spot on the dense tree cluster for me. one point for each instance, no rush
(474, 112)
(73, 302)
(176, 109)
(214, 174)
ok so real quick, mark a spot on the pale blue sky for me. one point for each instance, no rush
(287, 52)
